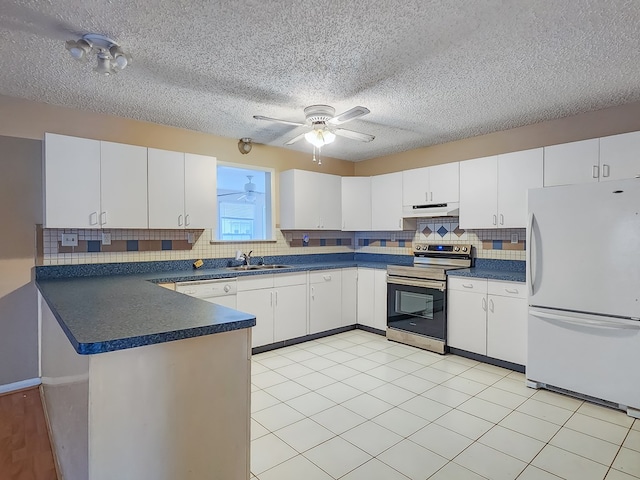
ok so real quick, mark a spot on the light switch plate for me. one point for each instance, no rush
(191, 238)
(69, 239)
(514, 238)
(106, 238)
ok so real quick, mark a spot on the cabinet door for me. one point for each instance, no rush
(366, 308)
(325, 302)
(380, 299)
(517, 172)
(349, 296)
(356, 204)
(71, 182)
(386, 202)
(290, 320)
(467, 321)
(415, 186)
(166, 189)
(123, 179)
(571, 163)
(299, 193)
(199, 191)
(620, 156)
(479, 193)
(444, 183)
(260, 304)
(507, 329)
(330, 201)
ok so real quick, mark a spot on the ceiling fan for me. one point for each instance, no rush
(250, 192)
(322, 120)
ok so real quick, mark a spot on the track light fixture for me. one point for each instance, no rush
(110, 56)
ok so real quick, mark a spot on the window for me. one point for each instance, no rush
(244, 203)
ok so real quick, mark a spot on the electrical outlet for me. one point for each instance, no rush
(191, 237)
(514, 238)
(106, 238)
(393, 237)
(69, 239)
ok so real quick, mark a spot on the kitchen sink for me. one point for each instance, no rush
(258, 267)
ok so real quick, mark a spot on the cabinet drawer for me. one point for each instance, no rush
(323, 276)
(468, 284)
(507, 289)
(288, 279)
(255, 283)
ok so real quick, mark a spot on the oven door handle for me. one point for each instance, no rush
(416, 283)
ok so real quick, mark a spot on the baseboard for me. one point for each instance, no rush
(490, 360)
(12, 387)
(369, 329)
(54, 450)
(65, 380)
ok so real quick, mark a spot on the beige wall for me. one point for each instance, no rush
(20, 211)
(26, 119)
(600, 123)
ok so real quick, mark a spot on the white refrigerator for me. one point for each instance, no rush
(583, 273)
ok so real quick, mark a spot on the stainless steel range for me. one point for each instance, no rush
(417, 295)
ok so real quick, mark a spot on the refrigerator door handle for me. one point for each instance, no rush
(529, 249)
(588, 320)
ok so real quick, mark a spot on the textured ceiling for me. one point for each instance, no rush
(429, 71)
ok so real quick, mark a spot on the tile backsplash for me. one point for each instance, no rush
(157, 245)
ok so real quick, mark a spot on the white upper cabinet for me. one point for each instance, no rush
(94, 184)
(166, 189)
(200, 201)
(182, 190)
(356, 203)
(386, 201)
(620, 156)
(123, 178)
(71, 182)
(429, 185)
(479, 193)
(310, 201)
(493, 190)
(517, 173)
(571, 163)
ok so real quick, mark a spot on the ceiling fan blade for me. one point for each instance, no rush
(363, 137)
(296, 139)
(277, 120)
(349, 115)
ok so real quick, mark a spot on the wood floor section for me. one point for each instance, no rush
(25, 450)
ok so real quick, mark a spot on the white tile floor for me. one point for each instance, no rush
(354, 406)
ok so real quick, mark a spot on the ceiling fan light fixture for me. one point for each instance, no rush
(319, 137)
(79, 49)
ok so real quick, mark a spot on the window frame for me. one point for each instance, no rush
(270, 214)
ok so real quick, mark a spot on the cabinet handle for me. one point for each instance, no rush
(501, 219)
(327, 278)
(484, 304)
(491, 305)
(276, 298)
(605, 170)
(313, 294)
(400, 223)
(179, 220)
(186, 220)
(595, 171)
(467, 285)
(431, 196)
(495, 219)
(271, 298)
(426, 196)
(509, 290)
(93, 218)
(103, 218)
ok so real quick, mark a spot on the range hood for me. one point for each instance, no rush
(451, 209)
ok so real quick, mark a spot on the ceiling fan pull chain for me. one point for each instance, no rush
(314, 153)
(319, 155)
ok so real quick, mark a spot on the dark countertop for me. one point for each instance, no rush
(115, 312)
(506, 270)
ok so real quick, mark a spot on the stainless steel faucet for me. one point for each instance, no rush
(245, 257)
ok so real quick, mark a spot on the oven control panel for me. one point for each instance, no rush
(443, 248)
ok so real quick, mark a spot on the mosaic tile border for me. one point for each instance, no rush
(96, 246)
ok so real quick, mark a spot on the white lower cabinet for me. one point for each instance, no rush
(488, 318)
(325, 300)
(372, 298)
(279, 304)
(349, 296)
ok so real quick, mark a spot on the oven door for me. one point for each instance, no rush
(417, 309)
